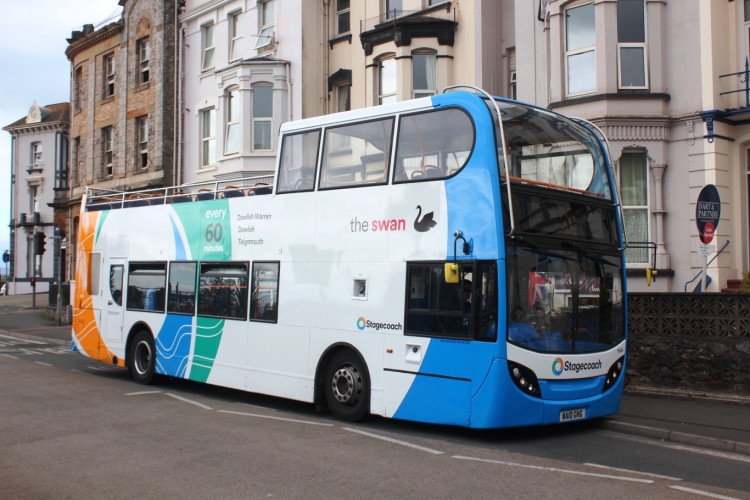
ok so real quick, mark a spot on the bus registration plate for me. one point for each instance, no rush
(570, 415)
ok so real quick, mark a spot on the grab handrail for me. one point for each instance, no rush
(707, 264)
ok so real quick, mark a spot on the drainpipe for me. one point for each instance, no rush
(178, 79)
(289, 96)
(326, 70)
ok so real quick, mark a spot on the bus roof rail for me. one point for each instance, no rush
(101, 199)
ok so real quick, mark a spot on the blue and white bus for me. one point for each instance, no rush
(421, 260)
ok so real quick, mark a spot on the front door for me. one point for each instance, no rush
(112, 295)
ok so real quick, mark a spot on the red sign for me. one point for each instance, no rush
(708, 233)
(708, 213)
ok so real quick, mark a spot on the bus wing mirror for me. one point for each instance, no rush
(451, 272)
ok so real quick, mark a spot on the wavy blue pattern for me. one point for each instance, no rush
(173, 345)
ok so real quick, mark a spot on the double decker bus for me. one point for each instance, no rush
(456, 259)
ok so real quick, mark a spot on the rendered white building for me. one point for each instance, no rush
(39, 162)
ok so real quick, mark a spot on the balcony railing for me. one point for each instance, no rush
(744, 77)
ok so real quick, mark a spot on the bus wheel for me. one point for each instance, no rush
(142, 358)
(347, 386)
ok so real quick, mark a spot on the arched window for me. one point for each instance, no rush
(232, 121)
(262, 120)
(386, 79)
(634, 189)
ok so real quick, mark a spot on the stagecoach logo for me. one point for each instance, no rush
(559, 366)
(363, 323)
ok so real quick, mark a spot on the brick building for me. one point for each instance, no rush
(122, 104)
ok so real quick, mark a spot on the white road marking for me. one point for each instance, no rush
(649, 474)
(703, 493)
(42, 363)
(256, 406)
(186, 400)
(269, 417)
(24, 341)
(395, 441)
(683, 447)
(555, 469)
(105, 369)
(141, 393)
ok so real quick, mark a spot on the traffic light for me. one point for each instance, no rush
(39, 242)
(33, 282)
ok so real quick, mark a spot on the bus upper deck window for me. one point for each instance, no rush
(433, 145)
(299, 154)
(356, 154)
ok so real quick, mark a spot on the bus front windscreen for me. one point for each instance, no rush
(564, 301)
(549, 149)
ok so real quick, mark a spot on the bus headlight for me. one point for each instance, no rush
(525, 379)
(614, 374)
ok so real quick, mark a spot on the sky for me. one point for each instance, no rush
(35, 68)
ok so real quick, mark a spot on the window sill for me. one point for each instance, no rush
(142, 86)
(620, 96)
(107, 99)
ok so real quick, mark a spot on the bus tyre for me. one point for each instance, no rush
(347, 386)
(142, 358)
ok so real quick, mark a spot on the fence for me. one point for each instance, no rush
(691, 341)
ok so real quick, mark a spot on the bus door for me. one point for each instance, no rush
(111, 323)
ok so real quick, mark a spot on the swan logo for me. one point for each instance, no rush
(557, 366)
(424, 223)
(361, 323)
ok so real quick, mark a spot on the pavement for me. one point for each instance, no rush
(708, 420)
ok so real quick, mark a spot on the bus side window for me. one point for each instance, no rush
(264, 301)
(435, 307)
(146, 286)
(299, 153)
(115, 283)
(95, 263)
(433, 145)
(181, 298)
(356, 154)
(222, 290)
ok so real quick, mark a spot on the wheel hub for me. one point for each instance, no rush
(142, 357)
(347, 385)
